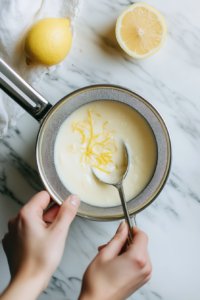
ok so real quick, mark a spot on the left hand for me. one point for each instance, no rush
(35, 242)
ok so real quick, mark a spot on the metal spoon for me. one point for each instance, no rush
(119, 186)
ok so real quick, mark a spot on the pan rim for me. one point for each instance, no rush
(154, 111)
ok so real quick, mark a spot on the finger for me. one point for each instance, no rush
(114, 247)
(140, 241)
(5, 242)
(38, 203)
(50, 215)
(123, 250)
(11, 223)
(140, 237)
(101, 247)
(147, 269)
(66, 214)
(51, 203)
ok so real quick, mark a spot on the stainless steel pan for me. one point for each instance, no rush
(51, 118)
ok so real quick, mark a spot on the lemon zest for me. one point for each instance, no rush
(95, 152)
(71, 149)
(81, 132)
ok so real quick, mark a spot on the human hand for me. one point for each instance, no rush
(115, 273)
(35, 242)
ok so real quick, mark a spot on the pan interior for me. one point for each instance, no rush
(64, 108)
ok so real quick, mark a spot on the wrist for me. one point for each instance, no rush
(25, 286)
(22, 288)
(37, 280)
(32, 275)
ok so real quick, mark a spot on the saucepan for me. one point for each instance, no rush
(51, 118)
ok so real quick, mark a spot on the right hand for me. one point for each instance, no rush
(115, 274)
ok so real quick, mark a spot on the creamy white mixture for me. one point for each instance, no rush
(91, 137)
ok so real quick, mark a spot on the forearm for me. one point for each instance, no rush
(23, 288)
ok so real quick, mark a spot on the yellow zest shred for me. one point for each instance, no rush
(71, 149)
(95, 152)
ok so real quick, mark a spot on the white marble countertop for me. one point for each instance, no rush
(170, 81)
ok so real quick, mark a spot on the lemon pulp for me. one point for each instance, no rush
(141, 30)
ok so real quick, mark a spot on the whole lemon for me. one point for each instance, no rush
(48, 41)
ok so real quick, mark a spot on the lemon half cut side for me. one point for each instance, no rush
(140, 30)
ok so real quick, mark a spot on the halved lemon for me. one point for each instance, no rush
(141, 30)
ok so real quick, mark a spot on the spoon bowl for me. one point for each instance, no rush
(118, 183)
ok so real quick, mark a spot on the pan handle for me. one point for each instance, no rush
(20, 91)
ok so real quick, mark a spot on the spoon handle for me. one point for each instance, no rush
(126, 213)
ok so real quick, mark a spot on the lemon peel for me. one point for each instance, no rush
(71, 149)
(48, 41)
(98, 153)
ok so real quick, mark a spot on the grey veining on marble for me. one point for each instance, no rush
(170, 80)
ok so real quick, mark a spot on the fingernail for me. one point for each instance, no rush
(121, 226)
(75, 200)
